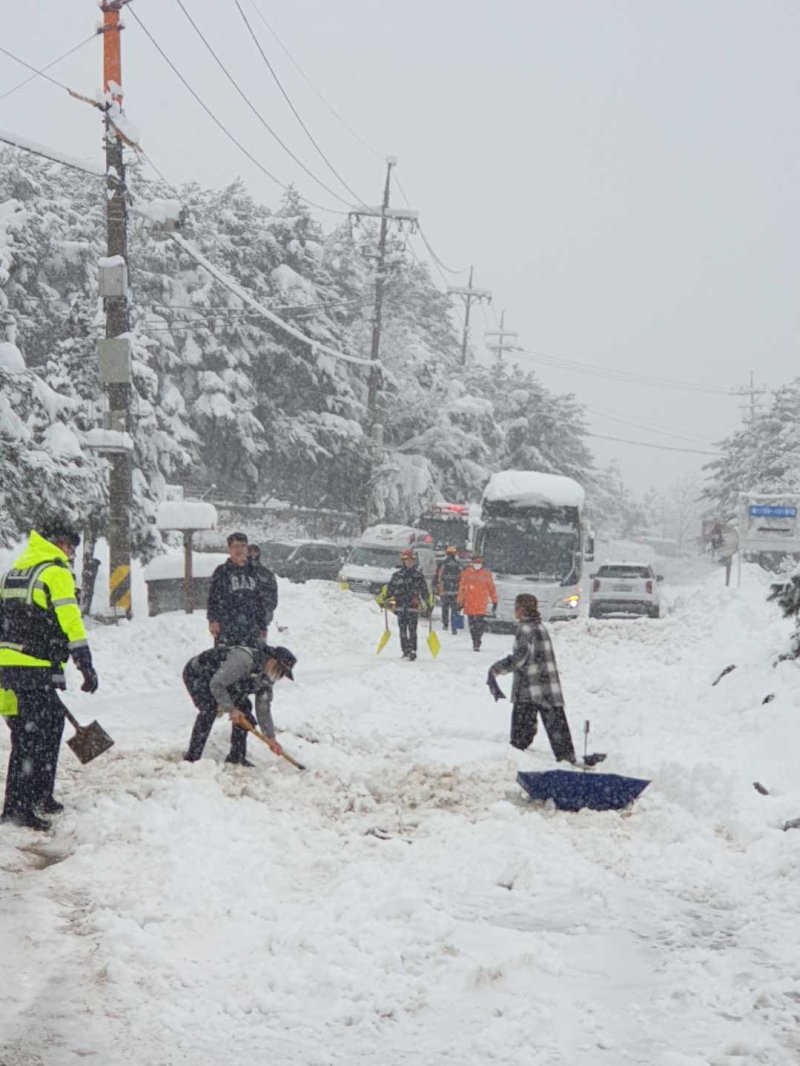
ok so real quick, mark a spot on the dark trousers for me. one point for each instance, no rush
(449, 611)
(36, 732)
(407, 625)
(523, 729)
(477, 627)
(206, 705)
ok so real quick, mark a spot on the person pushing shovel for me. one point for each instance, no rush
(536, 688)
(221, 680)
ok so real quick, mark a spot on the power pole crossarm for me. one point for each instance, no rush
(499, 337)
(469, 295)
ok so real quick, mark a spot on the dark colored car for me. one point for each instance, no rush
(302, 560)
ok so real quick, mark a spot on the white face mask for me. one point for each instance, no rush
(476, 566)
(274, 673)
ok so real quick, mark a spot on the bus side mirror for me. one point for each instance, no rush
(660, 577)
(588, 551)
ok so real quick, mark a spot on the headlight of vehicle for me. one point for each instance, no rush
(570, 601)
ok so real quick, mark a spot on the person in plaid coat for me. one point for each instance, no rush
(536, 689)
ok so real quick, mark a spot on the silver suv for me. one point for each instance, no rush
(625, 588)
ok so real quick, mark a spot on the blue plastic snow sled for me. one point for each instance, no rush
(572, 790)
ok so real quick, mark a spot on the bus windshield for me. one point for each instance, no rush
(534, 543)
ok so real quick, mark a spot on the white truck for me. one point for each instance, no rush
(532, 537)
(376, 555)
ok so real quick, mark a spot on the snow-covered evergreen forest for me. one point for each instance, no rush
(224, 399)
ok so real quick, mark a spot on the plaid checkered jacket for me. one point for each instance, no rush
(533, 663)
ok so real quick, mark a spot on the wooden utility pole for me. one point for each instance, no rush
(469, 296)
(118, 382)
(499, 336)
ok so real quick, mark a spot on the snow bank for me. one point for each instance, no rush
(186, 514)
(11, 358)
(529, 488)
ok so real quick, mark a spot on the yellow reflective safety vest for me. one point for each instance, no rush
(40, 620)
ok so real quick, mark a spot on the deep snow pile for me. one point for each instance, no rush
(401, 902)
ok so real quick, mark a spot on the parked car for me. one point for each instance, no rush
(302, 560)
(625, 588)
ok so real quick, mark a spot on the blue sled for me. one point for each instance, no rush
(572, 790)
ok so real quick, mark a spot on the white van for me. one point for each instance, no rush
(374, 558)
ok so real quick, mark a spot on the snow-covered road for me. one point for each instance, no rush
(400, 902)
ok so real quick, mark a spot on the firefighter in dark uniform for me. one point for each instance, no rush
(40, 628)
(448, 577)
(221, 680)
(407, 595)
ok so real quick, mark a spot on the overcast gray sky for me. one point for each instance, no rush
(622, 173)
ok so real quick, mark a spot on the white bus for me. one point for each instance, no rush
(532, 537)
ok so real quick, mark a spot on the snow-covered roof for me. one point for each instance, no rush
(530, 488)
(186, 514)
(171, 565)
(108, 440)
(392, 535)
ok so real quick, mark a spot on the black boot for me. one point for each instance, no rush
(234, 760)
(51, 806)
(28, 820)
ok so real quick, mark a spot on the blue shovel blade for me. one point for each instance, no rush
(571, 790)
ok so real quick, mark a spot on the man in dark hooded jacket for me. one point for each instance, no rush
(240, 605)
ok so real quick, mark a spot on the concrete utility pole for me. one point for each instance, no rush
(386, 214)
(115, 359)
(469, 296)
(500, 346)
(749, 410)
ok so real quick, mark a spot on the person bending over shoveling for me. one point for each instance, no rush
(536, 688)
(221, 680)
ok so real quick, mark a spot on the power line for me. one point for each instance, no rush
(36, 71)
(650, 429)
(244, 295)
(435, 257)
(294, 110)
(254, 109)
(647, 444)
(333, 111)
(624, 376)
(41, 73)
(34, 148)
(222, 126)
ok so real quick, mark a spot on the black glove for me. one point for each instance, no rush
(82, 658)
(494, 688)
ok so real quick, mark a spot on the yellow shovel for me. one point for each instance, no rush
(433, 639)
(386, 633)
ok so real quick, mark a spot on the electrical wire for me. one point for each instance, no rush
(435, 257)
(622, 376)
(255, 110)
(333, 111)
(244, 295)
(36, 71)
(41, 73)
(231, 137)
(294, 110)
(647, 444)
(661, 430)
(40, 150)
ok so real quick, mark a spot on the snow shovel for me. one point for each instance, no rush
(89, 740)
(386, 633)
(257, 733)
(433, 640)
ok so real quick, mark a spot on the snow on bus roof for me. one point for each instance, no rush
(531, 487)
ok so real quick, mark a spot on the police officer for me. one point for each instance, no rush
(222, 679)
(40, 627)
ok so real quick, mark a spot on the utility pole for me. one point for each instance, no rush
(469, 296)
(749, 410)
(500, 346)
(115, 363)
(386, 214)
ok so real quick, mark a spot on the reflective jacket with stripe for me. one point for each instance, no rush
(40, 621)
